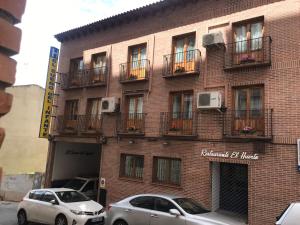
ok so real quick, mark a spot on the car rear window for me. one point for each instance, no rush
(278, 217)
(36, 195)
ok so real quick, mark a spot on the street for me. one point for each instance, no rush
(8, 212)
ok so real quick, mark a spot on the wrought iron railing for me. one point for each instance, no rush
(90, 123)
(135, 70)
(252, 52)
(182, 63)
(79, 124)
(66, 124)
(178, 124)
(248, 123)
(84, 78)
(131, 123)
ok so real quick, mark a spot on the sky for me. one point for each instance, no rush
(45, 18)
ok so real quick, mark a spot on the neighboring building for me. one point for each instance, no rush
(239, 156)
(23, 154)
(11, 12)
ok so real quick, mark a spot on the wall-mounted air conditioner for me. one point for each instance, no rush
(209, 100)
(109, 105)
(212, 39)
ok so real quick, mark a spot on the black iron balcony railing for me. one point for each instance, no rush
(182, 63)
(131, 123)
(90, 123)
(79, 124)
(67, 124)
(248, 53)
(256, 124)
(84, 78)
(134, 71)
(178, 124)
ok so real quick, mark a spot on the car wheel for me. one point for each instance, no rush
(61, 220)
(22, 218)
(120, 222)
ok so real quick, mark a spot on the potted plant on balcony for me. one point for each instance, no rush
(132, 77)
(179, 69)
(247, 130)
(132, 129)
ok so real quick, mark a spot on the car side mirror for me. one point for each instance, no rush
(54, 202)
(175, 212)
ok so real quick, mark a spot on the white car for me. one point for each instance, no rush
(290, 216)
(153, 209)
(86, 185)
(59, 206)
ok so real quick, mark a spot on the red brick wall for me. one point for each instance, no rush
(273, 179)
(10, 38)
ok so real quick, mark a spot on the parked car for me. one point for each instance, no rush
(290, 216)
(59, 206)
(85, 185)
(153, 209)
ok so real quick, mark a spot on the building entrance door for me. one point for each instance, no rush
(234, 188)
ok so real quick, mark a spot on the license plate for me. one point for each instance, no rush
(98, 219)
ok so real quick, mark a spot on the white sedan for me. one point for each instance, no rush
(153, 209)
(59, 206)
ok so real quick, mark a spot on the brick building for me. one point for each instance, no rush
(11, 12)
(196, 98)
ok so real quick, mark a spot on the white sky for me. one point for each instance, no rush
(45, 18)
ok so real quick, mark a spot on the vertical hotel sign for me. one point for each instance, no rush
(49, 93)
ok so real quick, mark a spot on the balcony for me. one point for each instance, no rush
(178, 124)
(84, 78)
(134, 71)
(131, 124)
(79, 125)
(250, 53)
(249, 125)
(182, 64)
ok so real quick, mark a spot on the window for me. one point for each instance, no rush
(167, 170)
(93, 106)
(76, 65)
(181, 112)
(36, 195)
(134, 118)
(71, 109)
(132, 166)
(248, 38)
(164, 205)
(249, 109)
(90, 186)
(184, 54)
(98, 67)
(48, 196)
(146, 202)
(137, 62)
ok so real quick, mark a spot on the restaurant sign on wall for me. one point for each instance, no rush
(230, 155)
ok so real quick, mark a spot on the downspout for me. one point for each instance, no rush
(152, 69)
(109, 72)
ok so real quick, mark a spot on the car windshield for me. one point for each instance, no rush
(75, 184)
(190, 206)
(71, 196)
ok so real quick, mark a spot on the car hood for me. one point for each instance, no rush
(87, 206)
(220, 218)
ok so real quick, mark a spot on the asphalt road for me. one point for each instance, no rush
(8, 213)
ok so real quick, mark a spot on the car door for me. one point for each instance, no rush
(47, 210)
(139, 210)
(161, 215)
(35, 214)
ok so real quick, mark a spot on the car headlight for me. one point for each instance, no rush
(77, 212)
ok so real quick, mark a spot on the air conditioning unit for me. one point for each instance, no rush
(209, 100)
(109, 105)
(212, 39)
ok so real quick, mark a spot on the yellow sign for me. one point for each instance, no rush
(49, 93)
